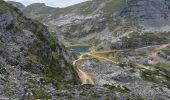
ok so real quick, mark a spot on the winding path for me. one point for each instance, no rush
(84, 77)
(152, 55)
(87, 79)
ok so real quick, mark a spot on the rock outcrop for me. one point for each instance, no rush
(153, 15)
(33, 63)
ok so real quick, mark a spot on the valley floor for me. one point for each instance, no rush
(139, 70)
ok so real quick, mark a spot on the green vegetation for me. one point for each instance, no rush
(12, 25)
(133, 97)
(78, 28)
(4, 7)
(42, 56)
(114, 5)
(41, 94)
(149, 75)
(94, 41)
(29, 61)
(68, 35)
(8, 91)
(137, 39)
(83, 93)
(160, 75)
(83, 8)
(96, 28)
(122, 89)
(166, 51)
(52, 42)
(55, 56)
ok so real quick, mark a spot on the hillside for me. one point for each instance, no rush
(152, 15)
(32, 61)
(127, 56)
(99, 22)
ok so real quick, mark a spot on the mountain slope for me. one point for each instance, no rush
(100, 22)
(35, 65)
(78, 21)
(153, 15)
(86, 8)
(32, 62)
(16, 4)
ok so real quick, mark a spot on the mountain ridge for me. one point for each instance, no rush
(16, 4)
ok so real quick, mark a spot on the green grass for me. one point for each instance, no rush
(83, 93)
(150, 75)
(83, 8)
(41, 94)
(161, 74)
(12, 25)
(166, 51)
(137, 39)
(114, 5)
(122, 89)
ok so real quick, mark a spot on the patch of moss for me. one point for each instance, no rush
(41, 94)
(137, 39)
(8, 91)
(161, 70)
(55, 68)
(166, 51)
(133, 97)
(164, 71)
(12, 25)
(122, 89)
(55, 56)
(83, 93)
(114, 5)
(149, 75)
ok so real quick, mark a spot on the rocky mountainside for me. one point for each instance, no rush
(16, 4)
(99, 22)
(129, 61)
(78, 21)
(32, 62)
(153, 15)
(35, 65)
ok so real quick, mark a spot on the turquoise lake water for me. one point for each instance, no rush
(80, 48)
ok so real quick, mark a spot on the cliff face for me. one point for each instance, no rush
(32, 62)
(153, 15)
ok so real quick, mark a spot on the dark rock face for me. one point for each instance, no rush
(32, 61)
(16, 4)
(149, 13)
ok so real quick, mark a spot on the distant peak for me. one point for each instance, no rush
(37, 4)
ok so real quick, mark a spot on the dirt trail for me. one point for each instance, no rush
(152, 55)
(87, 79)
(142, 66)
(84, 77)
